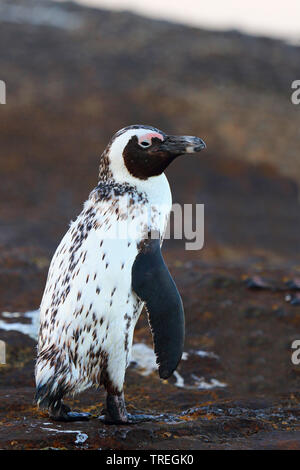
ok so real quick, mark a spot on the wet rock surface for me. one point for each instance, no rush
(223, 424)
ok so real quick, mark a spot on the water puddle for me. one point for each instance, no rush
(27, 328)
(143, 359)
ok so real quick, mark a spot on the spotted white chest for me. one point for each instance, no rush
(89, 310)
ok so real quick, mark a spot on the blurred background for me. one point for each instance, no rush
(75, 73)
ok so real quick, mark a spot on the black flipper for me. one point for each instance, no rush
(153, 284)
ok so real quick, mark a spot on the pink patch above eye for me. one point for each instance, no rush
(149, 136)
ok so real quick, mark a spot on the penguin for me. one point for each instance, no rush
(105, 269)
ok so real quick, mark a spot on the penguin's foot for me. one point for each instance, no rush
(62, 412)
(115, 412)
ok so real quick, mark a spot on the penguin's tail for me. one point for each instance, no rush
(48, 394)
(51, 386)
(44, 398)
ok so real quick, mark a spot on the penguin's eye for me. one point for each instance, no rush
(144, 143)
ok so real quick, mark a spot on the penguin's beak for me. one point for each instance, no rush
(178, 145)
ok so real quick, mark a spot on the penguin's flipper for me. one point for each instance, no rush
(153, 284)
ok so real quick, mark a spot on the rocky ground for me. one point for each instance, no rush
(235, 388)
(74, 76)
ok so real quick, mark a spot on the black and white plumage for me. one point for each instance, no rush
(104, 270)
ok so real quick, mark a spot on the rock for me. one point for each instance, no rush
(257, 282)
(293, 299)
(293, 284)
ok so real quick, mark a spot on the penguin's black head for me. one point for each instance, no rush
(147, 151)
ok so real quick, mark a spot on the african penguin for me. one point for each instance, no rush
(107, 266)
